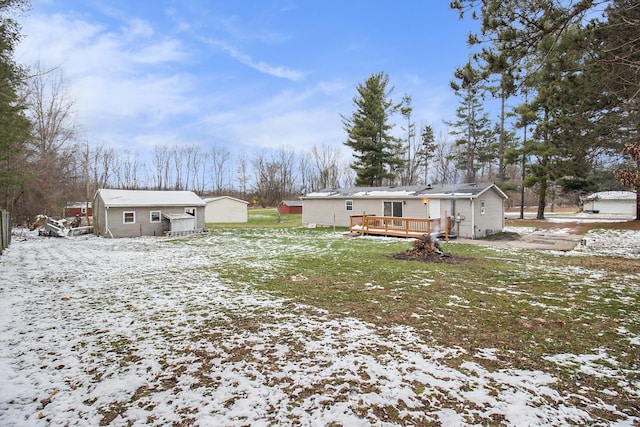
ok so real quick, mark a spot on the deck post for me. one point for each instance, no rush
(447, 223)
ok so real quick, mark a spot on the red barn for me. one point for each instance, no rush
(80, 208)
(290, 207)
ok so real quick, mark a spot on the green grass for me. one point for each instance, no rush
(527, 305)
(263, 218)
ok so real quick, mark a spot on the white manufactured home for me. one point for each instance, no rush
(473, 210)
(134, 213)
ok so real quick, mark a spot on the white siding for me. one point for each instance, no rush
(474, 220)
(626, 207)
(225, 209)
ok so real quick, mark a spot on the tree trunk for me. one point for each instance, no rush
(542, 198)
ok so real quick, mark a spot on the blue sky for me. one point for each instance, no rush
(242, 74)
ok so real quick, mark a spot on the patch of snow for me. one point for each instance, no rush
(145, 332)
(623, 243)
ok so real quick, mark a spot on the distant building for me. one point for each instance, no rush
(225, 209)
(133, 213)
(611, 202)
(290, 207)
(79, 208)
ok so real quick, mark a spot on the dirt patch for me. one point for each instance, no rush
(502, 235)
(448, 259)
(577, 226)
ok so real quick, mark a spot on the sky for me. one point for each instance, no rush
(245, 75)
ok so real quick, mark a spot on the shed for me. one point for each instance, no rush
(611, 202)
(290, 207)
(225, 209)
(133, 213)
(77, 209)
(475, 209)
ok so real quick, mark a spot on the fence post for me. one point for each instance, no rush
(5, 230)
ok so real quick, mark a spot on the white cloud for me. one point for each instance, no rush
(263, 67)
(114, 76)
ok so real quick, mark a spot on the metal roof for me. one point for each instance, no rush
(128, 198)
(613, 195)
(214, 199)
(436, 191)
(177, 216)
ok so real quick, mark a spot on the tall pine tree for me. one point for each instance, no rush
(473, 130)
(377, 153)
(14, 126)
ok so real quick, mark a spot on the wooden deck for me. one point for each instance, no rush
(399, 226)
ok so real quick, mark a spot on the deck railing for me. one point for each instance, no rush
(399, 226)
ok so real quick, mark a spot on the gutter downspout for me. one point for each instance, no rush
(473, 218)
(106, 221)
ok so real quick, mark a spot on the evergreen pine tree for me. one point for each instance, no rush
(377, 153)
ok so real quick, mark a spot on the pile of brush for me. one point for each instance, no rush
(425, 248)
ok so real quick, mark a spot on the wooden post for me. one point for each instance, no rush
(447, 223)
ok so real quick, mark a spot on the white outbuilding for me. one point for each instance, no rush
(611, 202)
(225, 209)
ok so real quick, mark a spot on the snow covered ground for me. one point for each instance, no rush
(144, 332)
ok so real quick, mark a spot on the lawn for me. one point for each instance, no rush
(268, 323)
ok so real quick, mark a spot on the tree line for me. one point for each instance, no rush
(47, 161)
(564, 74)
(572, 68)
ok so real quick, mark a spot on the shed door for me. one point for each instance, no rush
(393, 209)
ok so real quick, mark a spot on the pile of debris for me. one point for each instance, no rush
(47, 226)
(427, 248)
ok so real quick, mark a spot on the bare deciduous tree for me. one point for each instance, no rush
(326, 160)
(242, 174)
(53, 142)
(219, 158)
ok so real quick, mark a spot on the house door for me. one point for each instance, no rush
(393, 209)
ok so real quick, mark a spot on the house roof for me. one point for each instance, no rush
(141, 198)
(437, 191)
(77, 205)
(177, 216)
(613, 195)
(291, 203)
(213, 199)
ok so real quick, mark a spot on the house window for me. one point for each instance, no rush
(482, 207)
(83, 210)
(393, 209)
(348, 205)
(156, 216)
(190, 211)
(129, 217)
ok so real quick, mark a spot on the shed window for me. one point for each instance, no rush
(348, 205)
(129, 217)
(155, 216)
(83, 210)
